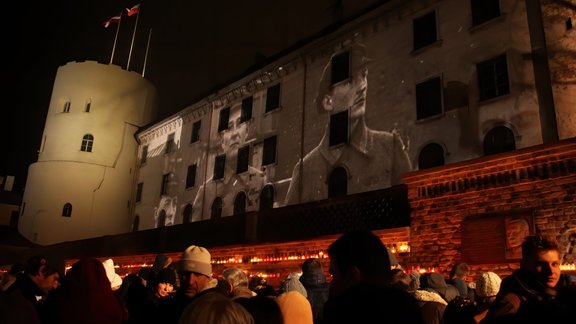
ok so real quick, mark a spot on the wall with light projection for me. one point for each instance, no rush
(352, 112)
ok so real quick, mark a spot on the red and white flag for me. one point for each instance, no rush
(134, 10)
(113, 20)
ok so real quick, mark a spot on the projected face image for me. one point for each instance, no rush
(516, 231)
(235, 136)
(351, 94)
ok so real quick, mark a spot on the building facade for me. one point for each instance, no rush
(82, 184)
(407, 86)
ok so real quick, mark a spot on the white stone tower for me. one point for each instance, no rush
(82, 185)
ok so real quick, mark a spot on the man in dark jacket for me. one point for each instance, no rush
(314, 280)
(530, 291)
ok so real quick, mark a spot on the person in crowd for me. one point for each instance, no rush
(530, 291)
(436, 282)
(85, 296)
(317, 287)
(264, 309)
(431, 304)
(260, 286)
(238, 281)
(215, 308)
(292, 283)
(382, 155)
(144, 305)
(161, 261)
(458, 276)
(10, 277)
(115, 279)
(22, 301)
(360, 291)
(195, 273)
(295, 307)
(487, 287)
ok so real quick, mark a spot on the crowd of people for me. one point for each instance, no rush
(365, 287)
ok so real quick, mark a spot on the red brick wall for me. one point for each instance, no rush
(541, 179)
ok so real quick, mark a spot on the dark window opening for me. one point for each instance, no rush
(165, 182)
(339, 128)
(499, 140)
(493, 78)
(425, 30)
(338, 183)
(191, 176)
(484, 10)
(224, 119)
(219, 164)
(136, 223)
(87, 143)
(195, 137)
(240, 203)
(242, 159)
(428, 98)
(88, 106)
(187, 214)
(139, 189)
(217, 208)
(246, 111)
(170, 145)
(340, 67)
(569, 24)
(66, 107)
(67, 210)
(273, 98)
(267, 198)
(431, 155)
(144, 154)
(269, 151)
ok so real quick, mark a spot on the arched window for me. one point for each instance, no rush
(66, 107)
(162, 219)
(500, 139)
(430, 156)
(67, 210)
(187, 214)
(217, 208)
(88, 105)
(338, 183)
(87, 142)
(136, 223)
(240, 203)
(267, 197)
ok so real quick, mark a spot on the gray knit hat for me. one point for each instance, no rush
(488, 284)
(196, 259)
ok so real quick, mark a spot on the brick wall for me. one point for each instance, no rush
(539, 180)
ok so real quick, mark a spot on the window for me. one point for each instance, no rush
(219, 164)
(165, 182)
(139, 191)
(161, 219)
(88, 105)
(499, 140)
(338, 183)
(170, 144)
(216, 208)
(424, 29)
(243, 156)
(66, 107)
(191, 176)
(246, 112)
(87, 142)
(269, 151)
(493, 78)
(240, 203)
(267, 198)
(430, 156)
(273, 97)
(428, 98)
(187, 214)
(136, 223)
(224, 119)
(144, 154)
(569, 24)
(67, 210)
(195, 137)
(340, 67)
(484, 10)
(339, 128)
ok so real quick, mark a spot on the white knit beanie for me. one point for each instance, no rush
(196, 259)
(488, 284)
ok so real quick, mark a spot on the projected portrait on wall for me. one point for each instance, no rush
(516, 229)
(233, 184)
(165, 213)
(349, 150)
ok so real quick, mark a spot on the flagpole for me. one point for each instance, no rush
(132, 43)
(116, 38)
(147, 47)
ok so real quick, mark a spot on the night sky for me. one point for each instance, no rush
(195, 47)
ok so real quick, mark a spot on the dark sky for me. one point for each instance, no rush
(195, 47)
